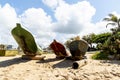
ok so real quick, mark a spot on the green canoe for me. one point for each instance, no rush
(25, 40)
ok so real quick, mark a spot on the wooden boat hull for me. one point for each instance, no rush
(25, 40)
(58, 49)
(78, 48)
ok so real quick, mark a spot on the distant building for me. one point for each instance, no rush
(9, 47)
(5, 47)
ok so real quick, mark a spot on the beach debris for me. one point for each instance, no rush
(79, 64)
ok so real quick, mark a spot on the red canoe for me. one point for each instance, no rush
(58, 49)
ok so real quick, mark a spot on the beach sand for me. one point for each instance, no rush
(14, 68)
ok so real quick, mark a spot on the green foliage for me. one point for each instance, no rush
(113, 20)
(100, 56)
(2, 52)
(108, 42)
(99, 46)
(112, 45)
(89, 38)
(8, 52)
(101, 38)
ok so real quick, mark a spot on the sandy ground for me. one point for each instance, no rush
(14, 68)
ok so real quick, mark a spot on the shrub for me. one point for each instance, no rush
(2, 52)
(8, 52)
(100, 56)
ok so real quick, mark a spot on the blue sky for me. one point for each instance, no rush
(55, 19)
(103, 7)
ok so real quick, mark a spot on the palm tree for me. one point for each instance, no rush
(113, 20)
(112, 44)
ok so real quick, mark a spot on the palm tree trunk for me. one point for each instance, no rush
(118, 22)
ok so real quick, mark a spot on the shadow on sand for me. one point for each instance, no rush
(12, 62)
(61, 63)
(111, 61)
(48, 60)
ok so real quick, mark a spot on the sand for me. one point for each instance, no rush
(14, 68)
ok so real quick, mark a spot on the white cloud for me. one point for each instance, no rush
(36, 18)
(8, 15)
(99, 27)
(8, 19)
(53, 3)
(71, 20)
(38, 23)
(75, 19)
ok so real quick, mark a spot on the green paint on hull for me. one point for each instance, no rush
(25, 40)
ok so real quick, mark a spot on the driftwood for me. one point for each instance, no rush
(26, 57)
(78, 64)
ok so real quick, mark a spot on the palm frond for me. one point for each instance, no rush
(111, 15)
(114, 19)
(113, 24)
(106, 19)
